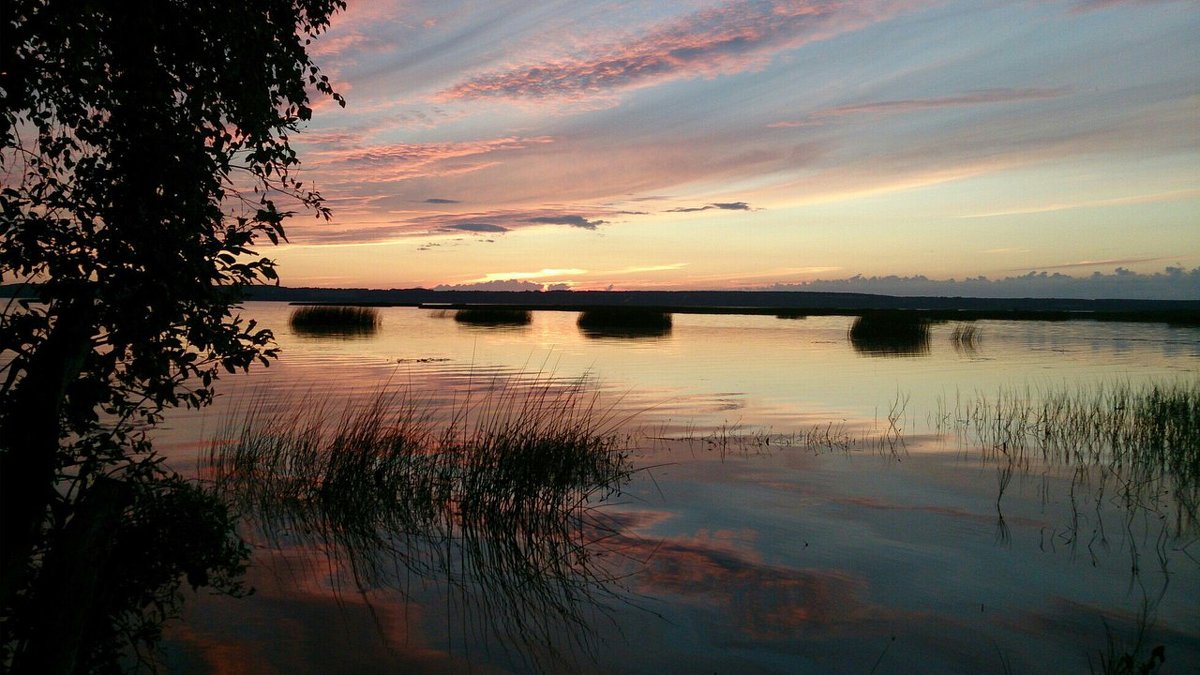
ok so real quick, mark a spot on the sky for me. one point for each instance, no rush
(746, 144)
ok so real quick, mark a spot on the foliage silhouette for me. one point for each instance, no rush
(145, 152)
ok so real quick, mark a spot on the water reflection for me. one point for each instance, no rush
(499, 508)
(966, 338)
(758, 554)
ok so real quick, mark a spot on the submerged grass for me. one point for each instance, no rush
(625, 322)
(498, 502)
(335, 320)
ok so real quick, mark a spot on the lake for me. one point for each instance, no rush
(786, 496)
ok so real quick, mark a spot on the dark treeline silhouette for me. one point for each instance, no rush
(791, 303)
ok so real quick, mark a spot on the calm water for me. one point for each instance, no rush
(735, 545)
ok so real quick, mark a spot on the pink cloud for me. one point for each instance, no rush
(480, 223)
(730, 38)
(337, 45)
(982, 96)
(388, 162)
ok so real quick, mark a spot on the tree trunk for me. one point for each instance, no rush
(30, 430)
(71, 586)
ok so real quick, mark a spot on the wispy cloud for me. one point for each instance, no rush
(476, 227)
(544, 273)
(645, 268)
(1115, 201)
(438, 200)
(572, 220)
(971, 98)
(399, 161)
(732, 37)
(1088, 263)
(1089, 5)
(724, 206)
(424, 224)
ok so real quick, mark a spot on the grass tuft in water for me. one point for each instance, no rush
(631, 322)
(335, 320)
(494, 316)
(898, 333)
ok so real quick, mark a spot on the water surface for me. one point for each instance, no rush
(744, 540)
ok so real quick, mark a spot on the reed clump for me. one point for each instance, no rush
(499, 501)
(494, 316)
(335, 320)
(898, 333)
(625, 322)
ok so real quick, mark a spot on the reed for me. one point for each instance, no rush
(335, 320)
(1145, 437)
(625, 322)
(494, 316)
(898, 333)
(499, 501)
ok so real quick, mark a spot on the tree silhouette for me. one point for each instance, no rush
(144, 151)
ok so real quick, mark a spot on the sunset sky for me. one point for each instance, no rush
(697, 144)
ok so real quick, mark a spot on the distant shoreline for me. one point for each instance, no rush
(785, 304)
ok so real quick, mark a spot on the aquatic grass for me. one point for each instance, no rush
(499, 501)
(891, 440)
(624, 322)
(334, 320)
(494, 316)
(897, 333)
(1147, 437)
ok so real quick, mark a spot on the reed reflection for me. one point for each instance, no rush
(965, 338)
(500, 505)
